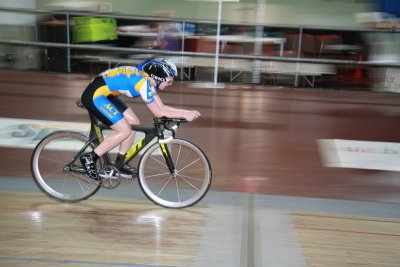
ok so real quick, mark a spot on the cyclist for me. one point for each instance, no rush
(101, 99)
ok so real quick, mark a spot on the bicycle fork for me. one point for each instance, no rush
(168, 158)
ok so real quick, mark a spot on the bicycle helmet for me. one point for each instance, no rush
(158, 69)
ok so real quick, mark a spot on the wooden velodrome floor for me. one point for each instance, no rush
(271, 203)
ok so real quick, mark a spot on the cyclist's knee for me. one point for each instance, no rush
(133, 120)
(131, 117)
(123, 128)
(136, 122)
(131, 135)
(126, 133)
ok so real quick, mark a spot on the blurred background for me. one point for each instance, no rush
(300, 120)
(342, 44)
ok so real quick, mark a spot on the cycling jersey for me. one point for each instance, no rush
(101, 95)
(128, 81)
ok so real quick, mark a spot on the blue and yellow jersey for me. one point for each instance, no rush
(128, 81)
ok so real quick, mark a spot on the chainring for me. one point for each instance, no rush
(109, 176)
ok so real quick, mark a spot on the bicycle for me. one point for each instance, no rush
(172, 172)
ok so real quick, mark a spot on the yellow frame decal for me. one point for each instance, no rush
(134, 149)
(99, 133)
(164, 150)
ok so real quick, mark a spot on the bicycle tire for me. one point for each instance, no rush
(49, 162)
(190, 183)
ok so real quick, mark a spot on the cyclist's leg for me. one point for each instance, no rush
(122, 131)
(88, 160)
(125, 145)
(132, 119)
(108, 113)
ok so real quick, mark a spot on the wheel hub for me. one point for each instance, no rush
(67, 168)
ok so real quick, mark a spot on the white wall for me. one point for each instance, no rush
(7, 18)
(290, 12)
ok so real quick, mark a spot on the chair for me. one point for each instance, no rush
(206, 46)
(273, 51)
(324, 41)
(199, 44)
(191, 44)
(308, 47)
(232, 49)
(269, 50)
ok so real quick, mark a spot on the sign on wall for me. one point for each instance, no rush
(360, 154)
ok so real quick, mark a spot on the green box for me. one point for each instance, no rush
(92, 29)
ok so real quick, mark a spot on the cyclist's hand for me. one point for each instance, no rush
(191, 115)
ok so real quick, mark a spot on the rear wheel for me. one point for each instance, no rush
(57, 170)
(186, 186)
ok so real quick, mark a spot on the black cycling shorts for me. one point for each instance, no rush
(87, 101)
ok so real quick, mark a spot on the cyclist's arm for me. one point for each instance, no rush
(165, 107)
(160, 110)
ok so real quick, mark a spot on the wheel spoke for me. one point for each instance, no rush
(190, 177)
(79, 182)
(53, 160)
(193, 162)
(162, 189)
(183, 178)
(156, 175)
(154, 158)
(177, 189)
(65, 179)
(52, 174)
(177, 157)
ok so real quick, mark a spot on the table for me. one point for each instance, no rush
(146, 31)
(343, 47)
(248, 39)
(137, 34)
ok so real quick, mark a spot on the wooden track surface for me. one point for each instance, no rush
(104, 231)
(258, 139)
(332, 240)
(272, 202)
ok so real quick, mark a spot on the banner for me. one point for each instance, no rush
(360, 154)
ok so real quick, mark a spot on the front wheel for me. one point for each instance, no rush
(57, 170)
(186, 186)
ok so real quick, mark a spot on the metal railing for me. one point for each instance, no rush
(68, 45)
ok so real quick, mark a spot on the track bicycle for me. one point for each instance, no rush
(171, 172)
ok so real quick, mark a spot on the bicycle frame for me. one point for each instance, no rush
(96, 136)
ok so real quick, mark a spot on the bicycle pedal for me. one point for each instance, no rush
(107, 172)
(107, 176)
(127, 176)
